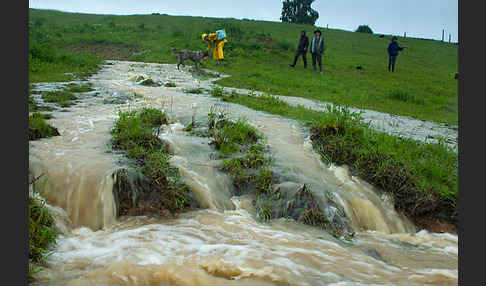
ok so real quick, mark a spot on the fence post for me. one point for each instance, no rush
(449, 38)
(405, 34)
(442, 35)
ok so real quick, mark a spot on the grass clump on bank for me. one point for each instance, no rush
(158, 188)
(421, 177)
(41, 234)
(39, 128)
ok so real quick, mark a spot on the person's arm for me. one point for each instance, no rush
(306, 45)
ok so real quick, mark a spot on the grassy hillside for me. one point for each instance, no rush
(258, 55)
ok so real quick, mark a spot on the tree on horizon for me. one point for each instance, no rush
(298, 12)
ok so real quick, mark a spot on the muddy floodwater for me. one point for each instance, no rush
(224, 243)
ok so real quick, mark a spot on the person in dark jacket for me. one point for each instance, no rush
(302, 49)
(317, 48)
(393, 49)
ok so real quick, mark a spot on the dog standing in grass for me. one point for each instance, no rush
(195, 56)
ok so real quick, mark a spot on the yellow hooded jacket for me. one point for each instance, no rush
(218, 45)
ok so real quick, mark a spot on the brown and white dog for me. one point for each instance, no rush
(195, 56)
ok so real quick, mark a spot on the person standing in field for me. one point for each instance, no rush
(317, 48)
(393, 49)
(302, 49)
(217, 39)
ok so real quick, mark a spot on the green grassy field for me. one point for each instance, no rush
(258, 55)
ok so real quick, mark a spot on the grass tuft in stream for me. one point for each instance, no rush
(158, 188)
(77, 88)
(62, 98)
(244, 151)
(39, 128)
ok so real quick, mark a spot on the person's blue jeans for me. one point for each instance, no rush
(391, 63)
(317, 57)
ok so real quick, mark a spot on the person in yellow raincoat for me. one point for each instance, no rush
(212, 39)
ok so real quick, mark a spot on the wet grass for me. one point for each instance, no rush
(79, 88)
(230, 136)
(197, 90)
(421, 177)
(39, 128)
(62, 98)
(251, 171)
(170, 84)
(41, 234)
(136, 133)
(35, 106)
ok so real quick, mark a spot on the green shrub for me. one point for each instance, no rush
(364, 29)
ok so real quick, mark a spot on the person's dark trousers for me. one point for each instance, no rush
(391, 63)
(304, 58)
(317, 57)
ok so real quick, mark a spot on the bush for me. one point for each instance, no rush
(364, 29)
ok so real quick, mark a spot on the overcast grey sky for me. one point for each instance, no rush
(418, 18)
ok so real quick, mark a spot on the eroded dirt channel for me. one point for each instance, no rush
(224, 243)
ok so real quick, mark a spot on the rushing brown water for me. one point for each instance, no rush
(225, 243)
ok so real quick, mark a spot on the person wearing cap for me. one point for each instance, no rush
(302, 49)
(393, 49)
(212, 39)
(317, 48)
